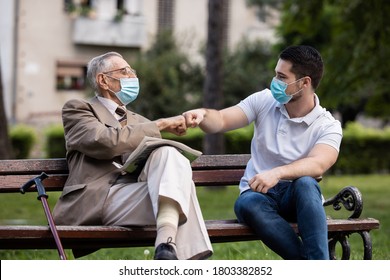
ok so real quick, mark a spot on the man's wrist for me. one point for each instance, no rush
(161, 124)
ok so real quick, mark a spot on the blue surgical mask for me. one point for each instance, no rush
(278, 90)
(129, 90)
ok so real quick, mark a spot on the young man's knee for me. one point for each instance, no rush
(306, 180)
(248, 204)
(307, 187)
(306, 183)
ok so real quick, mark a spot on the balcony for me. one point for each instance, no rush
(128, 32)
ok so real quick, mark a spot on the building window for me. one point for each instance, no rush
(82, 7)
(166, 11)
(131, 7)
(71, 75)
(120, 4)
(68, 5)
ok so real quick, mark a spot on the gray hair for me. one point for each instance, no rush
(97, 65)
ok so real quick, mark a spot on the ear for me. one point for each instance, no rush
(101, 81)
(307, 81)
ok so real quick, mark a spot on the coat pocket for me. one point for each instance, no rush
(70, 189)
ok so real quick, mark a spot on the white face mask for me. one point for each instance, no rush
(129, 90)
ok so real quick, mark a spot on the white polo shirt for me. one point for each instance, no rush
(278, 139)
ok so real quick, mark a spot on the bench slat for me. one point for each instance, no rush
(226, 170)
(12, 183)
(33, 166)
(59, 165)
(55, 182)
(39, 237)
(220, 161)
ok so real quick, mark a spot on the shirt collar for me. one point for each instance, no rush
(109, 104)
(309, 118)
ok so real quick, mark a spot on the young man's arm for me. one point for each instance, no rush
(214, 121)
(320, 159)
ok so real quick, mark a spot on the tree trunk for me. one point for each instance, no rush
(213, 95)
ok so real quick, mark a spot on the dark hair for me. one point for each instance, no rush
(306, 61)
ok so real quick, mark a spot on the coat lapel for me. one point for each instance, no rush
(103, 114)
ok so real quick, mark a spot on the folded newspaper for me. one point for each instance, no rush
(137, 159)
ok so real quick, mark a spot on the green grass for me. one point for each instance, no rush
(218, 204)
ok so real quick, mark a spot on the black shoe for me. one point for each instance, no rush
(165, 251)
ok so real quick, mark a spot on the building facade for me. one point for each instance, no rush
(46, 44)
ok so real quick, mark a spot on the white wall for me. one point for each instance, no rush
(7, 51)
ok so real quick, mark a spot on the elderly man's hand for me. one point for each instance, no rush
(175, 125)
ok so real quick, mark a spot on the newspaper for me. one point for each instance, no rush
(137, 159)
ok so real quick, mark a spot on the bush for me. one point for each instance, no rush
(23, 138)
(236, 142)
(55, 142)
(363, 150)
(239, 141)
(193, 138)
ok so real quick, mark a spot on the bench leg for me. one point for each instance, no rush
(345, 247)
(367, 243)
(342, 238)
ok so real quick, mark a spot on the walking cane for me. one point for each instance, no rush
(42, 196)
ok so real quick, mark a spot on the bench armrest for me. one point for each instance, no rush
(351, 198)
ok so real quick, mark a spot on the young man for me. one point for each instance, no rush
(295, 141)
(100, 131)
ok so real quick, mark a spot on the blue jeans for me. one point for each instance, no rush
(269, 215)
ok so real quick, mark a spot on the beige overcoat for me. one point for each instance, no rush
(94, 139)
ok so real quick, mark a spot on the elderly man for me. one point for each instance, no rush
(101, 131)
(295, 141)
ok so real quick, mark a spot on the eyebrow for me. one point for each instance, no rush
(280, 74)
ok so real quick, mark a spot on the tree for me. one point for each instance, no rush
(169, 82)
(213, 95)
(247, 68)
(361, 41)
(354, 39)
(5, 143)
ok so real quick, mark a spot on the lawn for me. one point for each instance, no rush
(218, 204)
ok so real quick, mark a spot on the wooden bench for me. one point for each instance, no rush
(208, 170)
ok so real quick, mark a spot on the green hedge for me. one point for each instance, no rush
(239, 141)
(23, 138)
(55, 142)
(193, 138)
(236, 142)
(363, 150)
